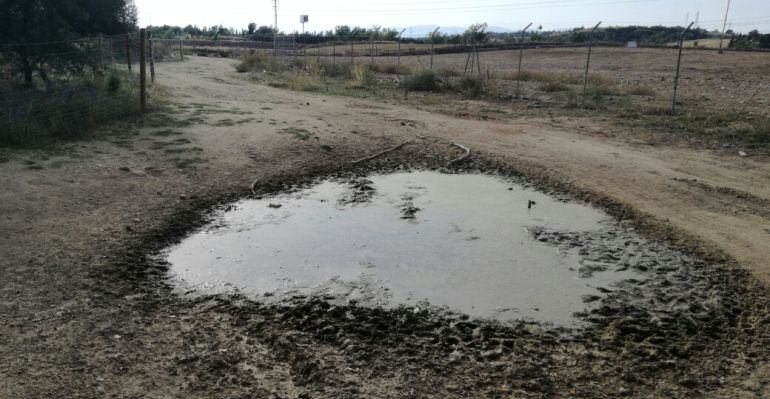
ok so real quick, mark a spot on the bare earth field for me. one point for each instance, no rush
(708, 79)
(84, 312)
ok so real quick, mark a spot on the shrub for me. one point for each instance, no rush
(391, 68)
(336, 70)
(554, 87)
(303, 81)
(539, 76)
(256, 61)
(447, 72)
(113, 83)
(362, 76)
(472, 87)
(66, 109)
(424, 80)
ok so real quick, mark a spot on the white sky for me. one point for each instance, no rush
(513, 14)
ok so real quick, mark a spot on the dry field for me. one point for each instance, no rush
(86, 310)
(735, 80)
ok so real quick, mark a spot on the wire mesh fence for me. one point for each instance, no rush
(61, 89)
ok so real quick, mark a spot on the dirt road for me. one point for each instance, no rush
(70, 327)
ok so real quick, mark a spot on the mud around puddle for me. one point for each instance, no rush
(472, 244)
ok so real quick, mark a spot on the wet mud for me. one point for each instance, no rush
(695, 325)
(420, 239)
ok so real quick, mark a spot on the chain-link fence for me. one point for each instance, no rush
(61, 89)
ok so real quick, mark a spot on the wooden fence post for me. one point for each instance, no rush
(143, 69)
(181, 50)
(100, 43)
(128, 51)
(152, 58)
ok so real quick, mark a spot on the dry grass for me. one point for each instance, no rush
(304, 81)
(637, 89)
(362, 76)
(551, 87)
(392, 68)
(538, 76)
(256, 61)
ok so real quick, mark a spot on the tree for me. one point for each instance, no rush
(24, 22)
(252, 28)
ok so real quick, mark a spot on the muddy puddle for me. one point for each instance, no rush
(474, 244)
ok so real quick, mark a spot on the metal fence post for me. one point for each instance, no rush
(678, 64)
(521, 55)
(143, 70)
(398, 38)
(433, 45)
(588, 61)
(724, 26)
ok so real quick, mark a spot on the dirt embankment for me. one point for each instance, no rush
(83, 313)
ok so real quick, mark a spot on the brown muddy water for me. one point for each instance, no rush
(473, 244)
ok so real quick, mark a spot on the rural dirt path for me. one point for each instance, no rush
(65, 333)
(723, 199)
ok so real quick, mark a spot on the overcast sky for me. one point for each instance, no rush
(513, 14)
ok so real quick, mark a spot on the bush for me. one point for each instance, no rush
(113, 83)
(447, 72)
(472, 87)
(304, 81)
(256, 62)
(362, 76)
(391, 68)
(336, 70)
(424, 80)
(65, 109)
(539, 76)
(554, 87)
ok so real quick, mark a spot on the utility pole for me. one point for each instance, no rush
(275, 9)
(724, 27)
(275, 30)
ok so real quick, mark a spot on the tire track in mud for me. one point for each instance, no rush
(667, 334)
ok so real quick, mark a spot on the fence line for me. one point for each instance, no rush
(61, 88)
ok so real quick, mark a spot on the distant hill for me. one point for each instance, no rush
(419, 31)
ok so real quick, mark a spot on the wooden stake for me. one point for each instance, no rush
(128, 51)
(143, 70)
(152, 59)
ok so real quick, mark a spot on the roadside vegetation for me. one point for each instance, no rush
(549, 93)
(64, 109)
(58, 77)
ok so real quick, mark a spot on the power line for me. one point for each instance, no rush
(494, 7)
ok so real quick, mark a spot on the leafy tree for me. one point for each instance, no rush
(252, 28)
(26, 22)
